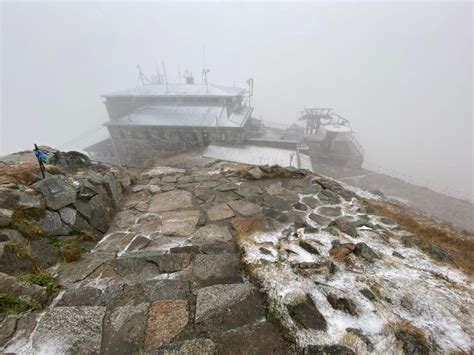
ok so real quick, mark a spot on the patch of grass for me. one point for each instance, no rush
(458, 243)
(23, 221)
(71, 247)
(12, 304)
(24, 173)
(42, 279)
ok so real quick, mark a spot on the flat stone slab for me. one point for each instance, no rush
(201, 346)
(220, 212)
(211, 269)
(171, 200)
(182, 223)
(211, 234)
(217, 298)
(166, 319)
(70, 330)
(246, 209)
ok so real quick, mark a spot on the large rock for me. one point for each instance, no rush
(248, 225)
(246, 209)
(259, 338)
(101, 212)
(45, 253)
(343, 304)
(113, 188)
(211, 234)
(172, 200)
(306, 315)
(10, 285)
(11, 234)
(70, 161)
(220, 212)
(57, 191)
(68, 215)
(181, 223)
(345, 225)
(328, 350)
(211, 269)
(216, 299)
(124, 329)
(52, 223)
(362, 250)
(166, 319)
(69, 330)
(198, 346)
(5, 217)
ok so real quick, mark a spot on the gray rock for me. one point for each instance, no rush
(329, 211)
(138, 243)
(113, 188)
(343, 304)
(5, 217)
(328, 350)
(211, 269)
(68, 215)
(211, 234)
(300, 206)
(220, 212)
(46, 254)
(321, 220)
(51, 223)
(172, 200)
(309, 246)
(276, 203)
(29, 201)
(306, 315)
(362, 250)
(214, 299)
(57, 191)
(124, 329)
(368, 294)
(11, 234)
(198, 346)
(82, 296)
(255, 173)
(345, 225)
(244, 208)
(438, 253)
(10, 285)
(412, 344)
(9, 198)
(362, 336)
(311, 201)
(83, 208)
(180, 223)
(166, 290)
(101, 212)
(70, 330)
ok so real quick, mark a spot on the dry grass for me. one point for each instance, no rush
(25, 173)
(459, 243)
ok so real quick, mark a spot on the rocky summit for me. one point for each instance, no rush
(197, 256)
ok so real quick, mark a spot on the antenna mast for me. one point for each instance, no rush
(204, 69)
(164, 74)
(142, 77)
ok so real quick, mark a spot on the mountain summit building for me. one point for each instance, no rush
(173, 117)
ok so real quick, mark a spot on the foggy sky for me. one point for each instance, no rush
(401, 72)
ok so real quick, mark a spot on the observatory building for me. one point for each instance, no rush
(173, 117)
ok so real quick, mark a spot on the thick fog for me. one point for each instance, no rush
(401, 72)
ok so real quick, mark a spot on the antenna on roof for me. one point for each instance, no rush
(204, 69)
(164, 74)
(159, 78)
(142, 77)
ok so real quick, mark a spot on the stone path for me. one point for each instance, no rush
(166, 277)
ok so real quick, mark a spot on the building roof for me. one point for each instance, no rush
(179, 90)
(184, 116)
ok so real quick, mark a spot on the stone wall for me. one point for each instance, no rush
(57, 218)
